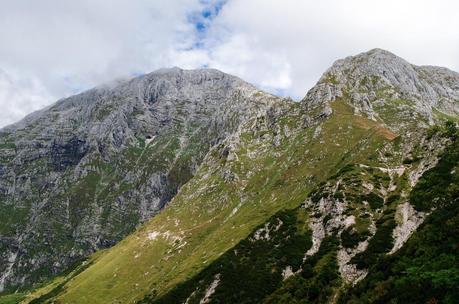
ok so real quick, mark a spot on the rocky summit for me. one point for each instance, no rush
(196, 187)
(84, 172)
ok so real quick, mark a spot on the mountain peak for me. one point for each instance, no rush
(376, 62)
(164, 85)
(124, 148)
(380, 78)
(378, 52)
(177, 72)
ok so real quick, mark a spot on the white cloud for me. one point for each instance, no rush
(53, 48)
(19, 97)
(298, 40)
(64, 46)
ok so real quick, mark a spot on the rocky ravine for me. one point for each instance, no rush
(84, 172)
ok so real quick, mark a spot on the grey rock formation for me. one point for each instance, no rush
(84, 172)
(378, 80)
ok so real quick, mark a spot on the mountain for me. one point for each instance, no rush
(83, 173)
(384, 86)
(339, 198)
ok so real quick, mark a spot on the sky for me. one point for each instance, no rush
(50, 49)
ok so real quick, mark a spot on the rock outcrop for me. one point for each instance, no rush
(381, 84)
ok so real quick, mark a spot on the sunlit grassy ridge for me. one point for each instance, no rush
(232, 193)
(251, 269)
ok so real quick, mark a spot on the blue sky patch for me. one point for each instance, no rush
(202, 19)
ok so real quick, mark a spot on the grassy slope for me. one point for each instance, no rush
(424, 270)
(12, 298)
(252, 271)
(253, 268)
(210, 215)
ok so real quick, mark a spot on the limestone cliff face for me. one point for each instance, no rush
(82, 173)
